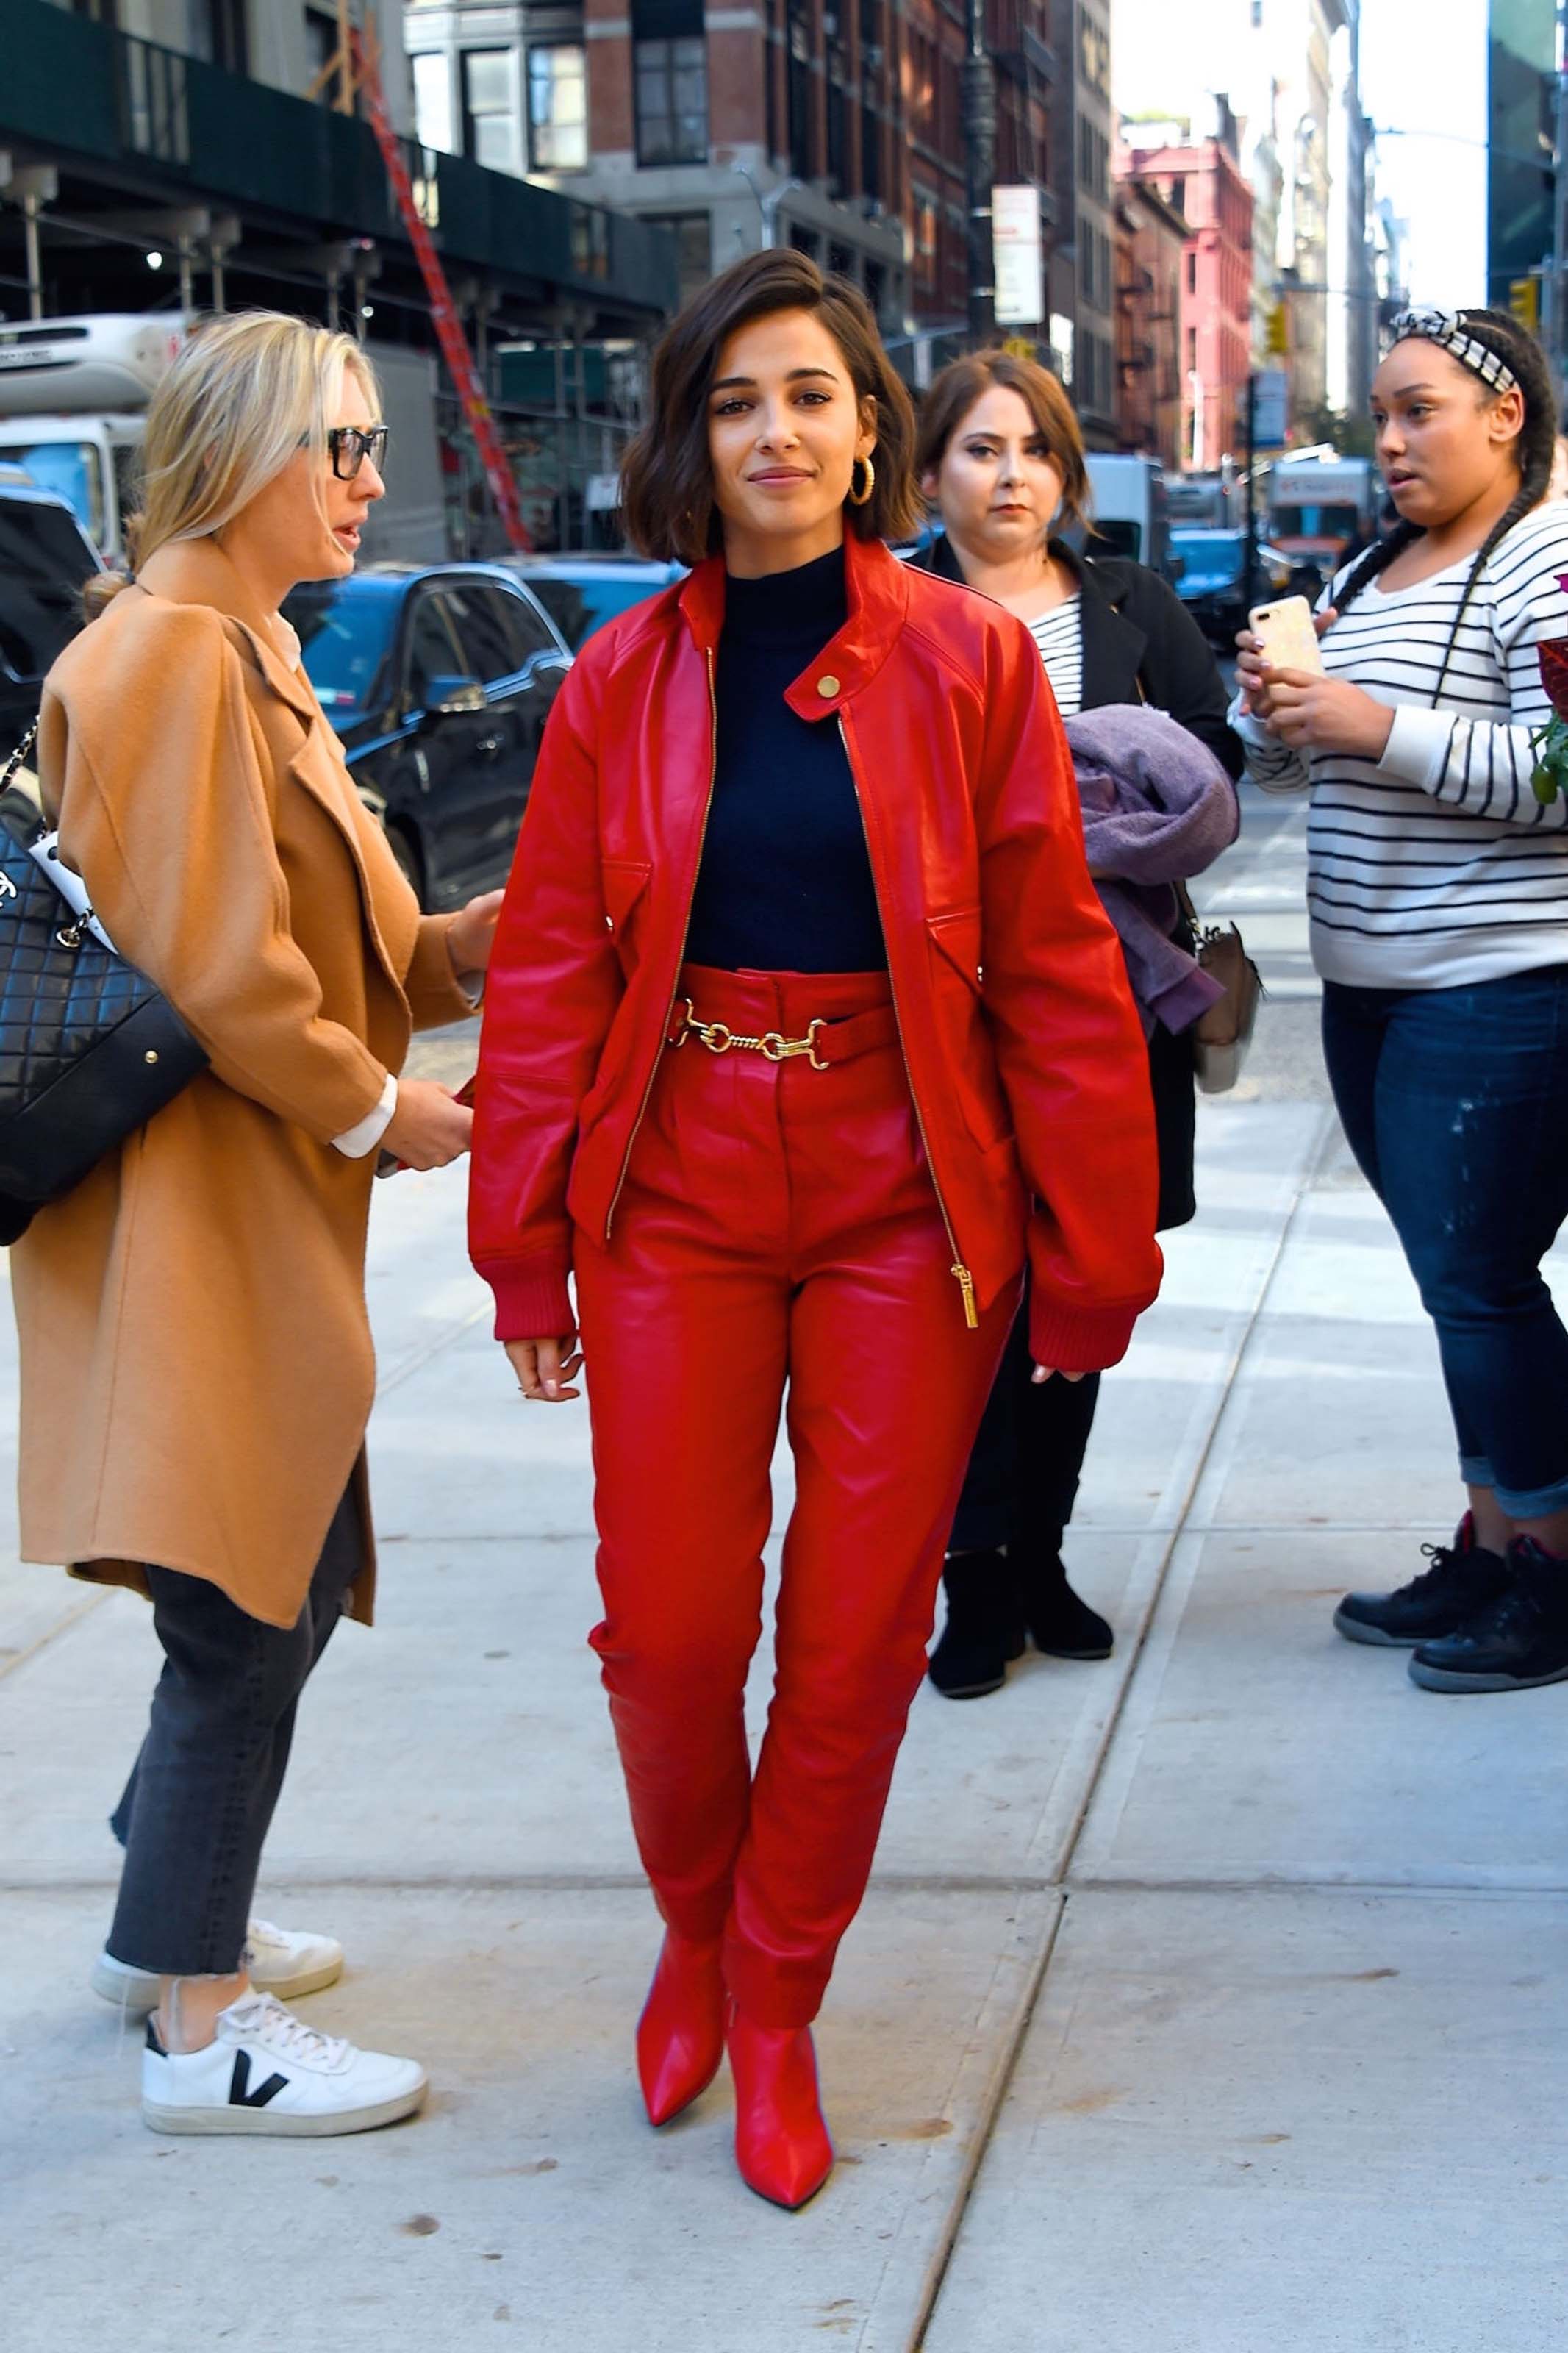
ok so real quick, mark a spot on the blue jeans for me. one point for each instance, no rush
(1454, 1102)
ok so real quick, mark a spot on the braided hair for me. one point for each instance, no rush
(1502, 334)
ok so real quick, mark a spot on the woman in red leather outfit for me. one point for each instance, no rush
(804, 1024)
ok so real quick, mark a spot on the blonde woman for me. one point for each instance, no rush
(196, 1364)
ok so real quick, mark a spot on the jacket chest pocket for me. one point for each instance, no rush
(622, 882)
(957, 978)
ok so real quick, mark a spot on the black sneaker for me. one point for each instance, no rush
(984, 1629)
(1464, 1578)
(1060, 1621)
(1517, 1642)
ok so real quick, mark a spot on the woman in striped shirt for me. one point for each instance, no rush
(1001, 453)
(1438, 893)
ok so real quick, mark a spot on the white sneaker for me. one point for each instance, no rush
(285, 1962)
(267, 2072)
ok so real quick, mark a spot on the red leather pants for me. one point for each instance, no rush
(778, 1228)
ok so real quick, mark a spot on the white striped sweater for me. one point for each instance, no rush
(1436, 866)
(1059, 637)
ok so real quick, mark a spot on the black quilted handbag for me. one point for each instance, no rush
(89, 1048)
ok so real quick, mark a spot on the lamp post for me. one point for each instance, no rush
(980, 171)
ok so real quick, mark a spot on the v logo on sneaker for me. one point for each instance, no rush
(240, 2094)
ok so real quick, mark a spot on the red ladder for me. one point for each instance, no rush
(443, 310)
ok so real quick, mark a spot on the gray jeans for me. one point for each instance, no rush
(202, 1793)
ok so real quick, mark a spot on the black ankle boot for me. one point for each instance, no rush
(1060, 1622)
(983, 1631)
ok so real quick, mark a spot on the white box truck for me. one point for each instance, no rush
(73, 402)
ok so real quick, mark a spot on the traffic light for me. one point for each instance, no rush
(1524, 301)
(1277, 338)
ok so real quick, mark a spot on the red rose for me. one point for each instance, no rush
(1553, 657)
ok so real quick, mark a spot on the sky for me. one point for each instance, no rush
(1424, 83)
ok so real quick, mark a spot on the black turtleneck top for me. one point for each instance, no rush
(785, 881)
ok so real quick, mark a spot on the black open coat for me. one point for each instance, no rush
(1141, 644)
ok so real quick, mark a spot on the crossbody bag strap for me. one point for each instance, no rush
(19, 755)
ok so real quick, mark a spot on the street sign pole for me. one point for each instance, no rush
(979, 98)
(1249, 541)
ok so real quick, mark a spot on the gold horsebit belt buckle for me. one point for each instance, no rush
(719, 1039)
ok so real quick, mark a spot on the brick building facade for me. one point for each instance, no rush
(834, 125)
(1152, 241)
(1203, 182)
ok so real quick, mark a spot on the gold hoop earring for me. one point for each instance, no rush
(862, 498)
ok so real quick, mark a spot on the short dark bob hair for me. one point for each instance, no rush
(965, 381)
(667, 480)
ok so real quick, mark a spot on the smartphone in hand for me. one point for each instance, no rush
(1287, 637)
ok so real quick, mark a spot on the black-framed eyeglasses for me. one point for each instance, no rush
(350, 445)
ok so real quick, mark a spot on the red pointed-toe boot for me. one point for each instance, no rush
(781, 2142)
(680, 2034)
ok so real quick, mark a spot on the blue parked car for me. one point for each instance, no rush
(580, 593)
(440, 679)
(1210, 583)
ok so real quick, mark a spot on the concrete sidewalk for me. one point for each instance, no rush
(1208, 1998)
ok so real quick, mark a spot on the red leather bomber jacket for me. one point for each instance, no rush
(1024, 1054)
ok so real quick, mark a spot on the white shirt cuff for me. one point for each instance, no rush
(366, 1134)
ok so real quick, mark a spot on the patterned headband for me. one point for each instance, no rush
(1447, 329)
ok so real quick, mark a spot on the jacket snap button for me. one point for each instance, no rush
(827, 686)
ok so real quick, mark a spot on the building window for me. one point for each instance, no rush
(433, 100)
(1192, 273)
(838, 120)
(693, 235)
(1094, 53)
(558, 108)
(490, 114)
(870, 153)
(219, 34)
(672, 102)
(798, 76)
(925, 224)
(590, 241)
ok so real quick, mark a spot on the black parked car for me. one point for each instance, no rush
(45, 559)
(440, 679)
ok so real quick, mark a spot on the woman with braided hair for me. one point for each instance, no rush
(1438, 886)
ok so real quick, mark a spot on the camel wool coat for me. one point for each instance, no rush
(195, 1353)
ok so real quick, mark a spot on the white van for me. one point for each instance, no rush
(72, 394)
(73, 397)
(1129, 509)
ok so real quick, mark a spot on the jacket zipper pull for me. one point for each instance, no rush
(965, 1283)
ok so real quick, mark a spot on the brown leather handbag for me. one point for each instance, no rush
(1222, 1035)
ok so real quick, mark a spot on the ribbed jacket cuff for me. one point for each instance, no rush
(1079, 1339)
(531, 1299)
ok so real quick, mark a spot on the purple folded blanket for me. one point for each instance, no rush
(1157, 809)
